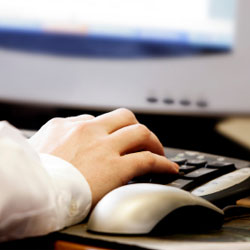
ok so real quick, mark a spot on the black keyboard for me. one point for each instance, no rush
(220, 180)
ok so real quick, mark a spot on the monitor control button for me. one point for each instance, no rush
(202, 104)
(168, 101)
(152, 99)
(185, 102)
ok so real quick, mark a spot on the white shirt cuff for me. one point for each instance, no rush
(73, 194)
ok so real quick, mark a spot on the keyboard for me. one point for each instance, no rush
(220, 180)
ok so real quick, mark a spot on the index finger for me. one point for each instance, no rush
(145, 162)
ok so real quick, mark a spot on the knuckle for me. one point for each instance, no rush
(86, 117)
(55, 121)
(149, 158)
(83, 126)
(89, 116)
(127, 114)
(81, 117)
(144, 132)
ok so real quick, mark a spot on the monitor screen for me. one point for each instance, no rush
(154, 56)
(118, 28)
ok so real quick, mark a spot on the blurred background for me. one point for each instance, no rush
(182, 66)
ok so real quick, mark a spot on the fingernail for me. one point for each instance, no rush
(176, 166)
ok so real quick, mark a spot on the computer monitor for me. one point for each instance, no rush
(151, 56)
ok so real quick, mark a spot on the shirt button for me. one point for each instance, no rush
(73, 210)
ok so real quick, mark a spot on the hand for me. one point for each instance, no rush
(108, 150)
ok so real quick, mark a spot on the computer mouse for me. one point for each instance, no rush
(139, 209)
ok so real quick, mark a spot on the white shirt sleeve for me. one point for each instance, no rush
(39, 194)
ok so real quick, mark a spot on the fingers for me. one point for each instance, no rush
(116, 119)
(111, 121)
(136, 138)
(141, 163)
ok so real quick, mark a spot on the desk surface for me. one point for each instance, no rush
(235, 234)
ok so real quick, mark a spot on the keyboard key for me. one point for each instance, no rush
(163, 178)
(200, 157)
(197, 162)
(199, 173)
(220, 164)
(185, 169)
(178, 160)
(183, 184)
(191, 153)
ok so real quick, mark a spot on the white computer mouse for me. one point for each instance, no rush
(139, 209)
